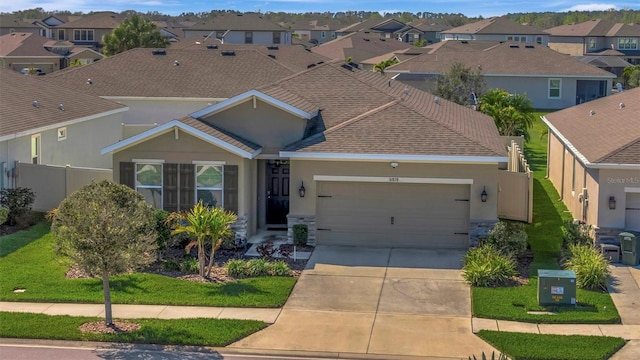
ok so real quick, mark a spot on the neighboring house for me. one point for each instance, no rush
(89, 29)
(360, 46)
(551, 80)
(239, 28)
(24, 50)
(360, 162)
(41, 125)
(498, 29)
(391, 29)
(594, 162)
(173, 30)
(431, 33)
(313, 32)
(11, 24)
(597, 38)
(613, 64)
(159, 86)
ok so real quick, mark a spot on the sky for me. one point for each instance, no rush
(470, 8)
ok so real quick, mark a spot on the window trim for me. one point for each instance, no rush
(196, 188)
(248, 37)
(62, 133)
(79, 32)
(37, 159)
(277, 37)
(590, 41)
(559, 88)
(61, 31)
(629, 41)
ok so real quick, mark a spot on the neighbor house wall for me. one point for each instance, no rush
(614, 183)
(537, 89)
(47, 64)
(567, 45)
(159, 110)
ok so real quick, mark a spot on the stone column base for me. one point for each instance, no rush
(309, 220)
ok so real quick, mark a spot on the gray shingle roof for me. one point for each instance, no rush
(237, 22)
(360, 46)
(596, 27)
(611, 135)
(221, 134)
(101, 20)
(496, 26)
(19, 115)
(498, 58)
(201, 73)
(24, 44)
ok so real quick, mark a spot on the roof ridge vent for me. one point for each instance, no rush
(228, 53)
(159, 52)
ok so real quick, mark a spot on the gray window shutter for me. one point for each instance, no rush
(128, 174)
(231, 188)
(170, 187)
(187, 185)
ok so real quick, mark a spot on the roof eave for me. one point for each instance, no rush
(457, 159)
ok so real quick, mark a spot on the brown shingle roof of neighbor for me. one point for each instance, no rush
(10, 21)
(611, 135)
(362, 113)
(24, 44)
(101, 20)
(498, 58)
(359, 46)
(19, 113)
(596, 27)
(199, 74)
(236, 22)
(496, 26)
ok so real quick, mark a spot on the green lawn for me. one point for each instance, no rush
(545, 238)
(201, 332)
(552, 347)
(27, 261)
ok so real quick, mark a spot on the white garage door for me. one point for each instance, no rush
(632, 212)
(394, 215)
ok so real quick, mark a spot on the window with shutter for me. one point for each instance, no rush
(187, 184)
(170, 189)
(127, 174)
(231, 188)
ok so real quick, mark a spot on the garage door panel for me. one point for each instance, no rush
(408, 215)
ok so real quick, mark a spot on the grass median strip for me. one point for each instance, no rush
(552, 347)
(200, 331)
(28, 262)
(545, 239)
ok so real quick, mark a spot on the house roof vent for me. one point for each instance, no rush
(35, 103)
(271, 56)
(529, 46)
(273, 48)
(212, 47)
(621, 106)
(514, 46)
(436, 100)
(61, 106)
(592, 112)
(89, 81)
(228, 53)
(310, 66)
(464, 42)
(159, 52)
(176, 63)
(347, 66)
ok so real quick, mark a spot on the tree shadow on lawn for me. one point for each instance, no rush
(127, 285)
(235, 288)
(545, 231)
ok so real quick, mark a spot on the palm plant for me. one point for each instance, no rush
(513, 114)
(203, 224)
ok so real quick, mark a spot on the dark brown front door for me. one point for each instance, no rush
(277, 193)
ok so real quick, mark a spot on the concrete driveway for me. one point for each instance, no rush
(379, 302)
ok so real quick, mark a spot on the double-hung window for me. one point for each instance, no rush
(35, 149)
(555, 86)
(276, 37)
(210, 184)
(83, 35)
(149, 181)
(248, 37)
(628, 43)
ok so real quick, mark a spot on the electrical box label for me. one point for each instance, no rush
(557, 290)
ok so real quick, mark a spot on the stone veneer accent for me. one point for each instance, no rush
(479, 229)
(309, 220)
(240, 228)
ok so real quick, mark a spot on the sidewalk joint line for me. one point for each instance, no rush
(375, 314)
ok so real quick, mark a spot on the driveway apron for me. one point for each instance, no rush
(376, 301)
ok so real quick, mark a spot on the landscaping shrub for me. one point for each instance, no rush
(590, 266)
(189, 265)
(487, 266)
(256, 267)
(300, 233)
(279, 268)
(4, 214)
(508, 237)
(171, 265)
(236, 267)
(18, 201)
(163, 229)
(576, 233)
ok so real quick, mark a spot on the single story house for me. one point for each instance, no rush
(594, 162)
(551, 80)
(358, 160)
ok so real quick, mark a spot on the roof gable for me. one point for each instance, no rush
(24, 45)
(251, 95)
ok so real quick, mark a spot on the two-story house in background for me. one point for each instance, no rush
(239, 28)
(498, 29)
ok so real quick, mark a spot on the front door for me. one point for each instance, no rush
(277, 192)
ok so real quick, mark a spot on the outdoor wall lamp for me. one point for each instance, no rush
(302, 190)
(612, 202)
(483, 194)
(394, 164)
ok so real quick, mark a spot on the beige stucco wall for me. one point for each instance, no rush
(264, 124)
(186, 149)
(81, 148)
(613, 183)
(574, 47)
(47, 64)
(482, 175)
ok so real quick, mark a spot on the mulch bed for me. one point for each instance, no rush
(99, 327)
(523, 266)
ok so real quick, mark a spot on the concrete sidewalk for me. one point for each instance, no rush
(627, 332)
(120, 311)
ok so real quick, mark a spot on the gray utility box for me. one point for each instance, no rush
(629, 244)
(610, 252)
(556, 287)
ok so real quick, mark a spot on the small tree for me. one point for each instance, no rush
(513, 114)
(631, 75)
(134, 32)
(106, 229)
(203, 223)
(384, 64)
(460, 85)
